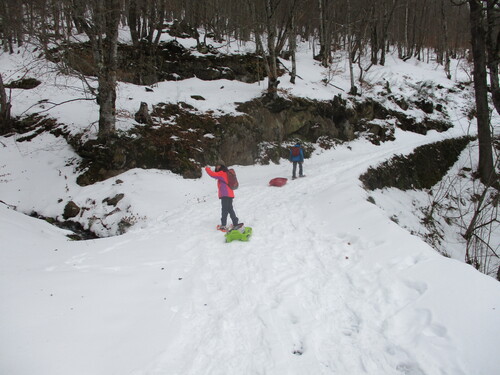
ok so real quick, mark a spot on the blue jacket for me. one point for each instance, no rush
(300, 157)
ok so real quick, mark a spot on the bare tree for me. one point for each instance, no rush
(386, 21)
(412, 25)
(369, 26)
(275, 28)
(493, 48)
(481, 251)
(445, 49)
(292, 42)
(6, 10)
(486, 169)
(325, 35)
(272, 43)
(99, 19)
(134, 21)
(350, 49)
(473, 207)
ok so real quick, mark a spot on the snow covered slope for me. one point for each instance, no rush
(328, 283)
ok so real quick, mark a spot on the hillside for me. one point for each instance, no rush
(328, 284)
(199, 131)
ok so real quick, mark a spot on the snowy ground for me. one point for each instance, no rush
(328, 283)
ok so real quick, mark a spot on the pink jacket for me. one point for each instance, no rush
(222, 186)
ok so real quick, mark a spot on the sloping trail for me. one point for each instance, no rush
(327, 285)
(307, 295)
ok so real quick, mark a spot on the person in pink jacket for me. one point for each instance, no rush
(226, 194)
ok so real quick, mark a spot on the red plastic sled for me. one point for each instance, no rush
(278, 181)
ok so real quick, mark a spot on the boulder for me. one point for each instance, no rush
(70, 210)
(113, 201)
(142, 116)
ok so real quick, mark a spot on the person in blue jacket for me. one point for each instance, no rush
(297, 157)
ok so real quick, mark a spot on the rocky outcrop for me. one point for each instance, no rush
(422, 169)
(113, 201)
(24, 83)
(177, 139)
(146, 64)
(281, 119)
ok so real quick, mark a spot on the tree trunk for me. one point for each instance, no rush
(374, 36)
(293, 47)
(407, 33)
(271, 58)
(485, 168)
(103, 35)
(107, 77)
(107, 108)
(132, 21)
(385, 29)
(6, 15)
(5, 120)
(324, 34)
(350, 53)
(57, 19)
(271, 67)
(159, 24)
(446, 47)
(493, 46)
(420, 38)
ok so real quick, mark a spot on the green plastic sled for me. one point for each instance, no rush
(239, 235)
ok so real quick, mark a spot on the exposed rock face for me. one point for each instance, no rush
(280, 119)
(191, 141)
(146, 64)
(422, 169)
(239, 138)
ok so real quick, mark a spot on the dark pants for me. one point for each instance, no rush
(295, 168)
(227, 208)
